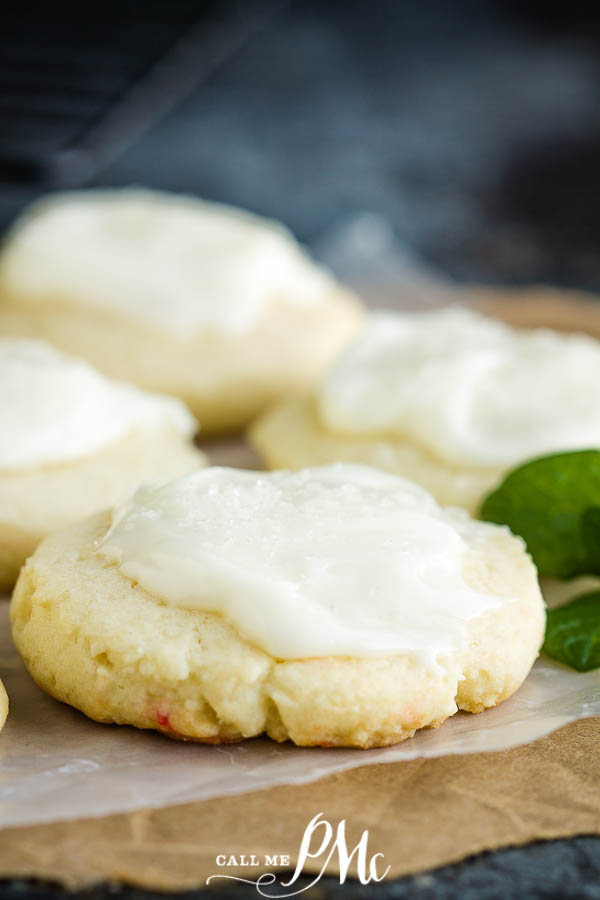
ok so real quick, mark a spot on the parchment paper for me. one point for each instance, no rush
(419, 814)
(56, 764)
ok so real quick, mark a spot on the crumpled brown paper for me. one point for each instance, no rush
(419, 814)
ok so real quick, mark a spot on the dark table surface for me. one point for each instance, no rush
(473, 128)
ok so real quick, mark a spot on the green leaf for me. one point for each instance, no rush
(554, 504)
(573, 633)
(590, 528)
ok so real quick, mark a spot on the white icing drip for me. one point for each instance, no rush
(168, 260)
(469, 389)
(341, 560)
(55, 408)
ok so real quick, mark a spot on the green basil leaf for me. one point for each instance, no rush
(554, 504)
(590, 527)
(573, 633)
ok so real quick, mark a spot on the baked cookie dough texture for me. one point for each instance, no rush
(450, 399)
(73, 442)
(336, 606)
(211, 304)
(3, 705)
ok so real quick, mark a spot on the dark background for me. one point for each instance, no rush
(472, 127)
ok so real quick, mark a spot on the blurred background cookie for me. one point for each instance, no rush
(214, 305)
(449, 398)
(73, 442)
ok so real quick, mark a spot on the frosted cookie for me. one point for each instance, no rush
(73, 442)
(332, 606)
(450, 399)
(3, 705)
(214, 305)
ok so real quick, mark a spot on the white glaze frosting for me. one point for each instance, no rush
(56, 408)
(340, 560)
(173, 261)
(469, 389)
